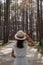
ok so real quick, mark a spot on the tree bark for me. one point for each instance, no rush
(6, 21)
(0, 13)
(26, 21)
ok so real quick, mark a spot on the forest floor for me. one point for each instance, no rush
(32, 55)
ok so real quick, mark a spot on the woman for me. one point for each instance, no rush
(19, 49)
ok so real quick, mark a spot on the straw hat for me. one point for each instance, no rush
(20, 35)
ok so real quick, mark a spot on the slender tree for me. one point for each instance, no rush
(6, 21)
(31, 22)
(23, 19)
(15, 16)
(0, 13)
(41, 22)
(37, 23)
(31, 17)
(26, 21)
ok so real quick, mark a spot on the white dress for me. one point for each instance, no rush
(20, 53)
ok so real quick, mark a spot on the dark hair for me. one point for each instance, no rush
(20, 43)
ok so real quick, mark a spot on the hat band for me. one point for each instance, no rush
(20, 37)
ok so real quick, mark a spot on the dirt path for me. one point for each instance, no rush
(32, 55)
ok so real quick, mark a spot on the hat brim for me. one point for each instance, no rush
(17, 38)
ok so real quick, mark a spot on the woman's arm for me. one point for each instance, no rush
(29, 39)
(12, 54)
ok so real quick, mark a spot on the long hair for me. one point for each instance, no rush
(20, 43)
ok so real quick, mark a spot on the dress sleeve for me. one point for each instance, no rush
(25, 43)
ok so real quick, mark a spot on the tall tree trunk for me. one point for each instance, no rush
(15, 17)
(6, 21)
(40, 21)
(26, 21)
(23, 19)
(30, 18)
(37, 26)
(0, 13)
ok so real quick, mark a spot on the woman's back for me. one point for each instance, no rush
(20, 51)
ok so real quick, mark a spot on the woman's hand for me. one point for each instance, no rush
(12, 54)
